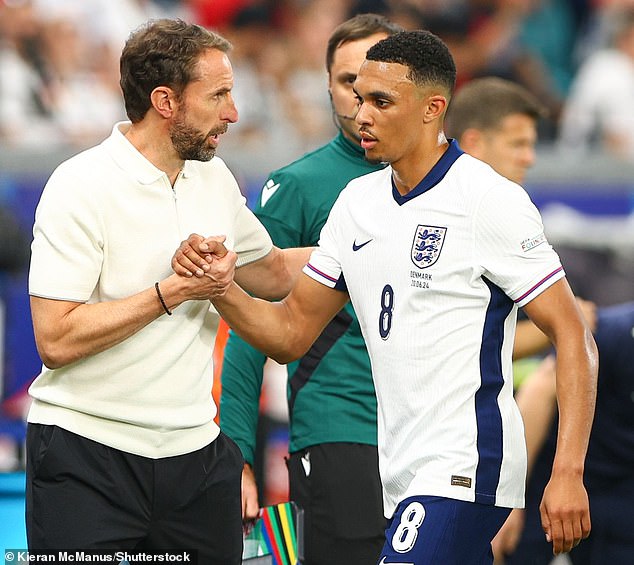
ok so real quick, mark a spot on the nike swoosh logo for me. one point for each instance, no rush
(268, 190)
(356, 247)
(384, 562)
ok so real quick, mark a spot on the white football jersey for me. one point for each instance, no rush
(436, 277)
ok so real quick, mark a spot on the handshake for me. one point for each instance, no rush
(208, 257)
(204, 269)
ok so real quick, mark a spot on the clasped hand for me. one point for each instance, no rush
(208, 261)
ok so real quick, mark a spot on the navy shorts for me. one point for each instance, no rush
(428, 530)
(85, 495)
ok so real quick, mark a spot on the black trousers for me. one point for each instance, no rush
(81, 494)
(338, 487)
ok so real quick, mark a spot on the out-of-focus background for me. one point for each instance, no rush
(59, 94)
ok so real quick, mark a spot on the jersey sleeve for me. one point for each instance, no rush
(67, 248)
(510, 240)
(324, 264)
(241, 377)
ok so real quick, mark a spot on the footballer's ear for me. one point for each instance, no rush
(436, 106)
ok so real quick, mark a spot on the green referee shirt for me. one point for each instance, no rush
(330, 391)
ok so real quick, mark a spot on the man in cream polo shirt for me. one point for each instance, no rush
(123, 452)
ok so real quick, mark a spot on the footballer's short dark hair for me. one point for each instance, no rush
(427, 57)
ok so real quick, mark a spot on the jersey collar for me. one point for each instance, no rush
(431, 179)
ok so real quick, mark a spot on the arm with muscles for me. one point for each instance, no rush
(564, 508)
(282, 330)
(537, 401)
(271, 277)
(242, 374)
(67, 331)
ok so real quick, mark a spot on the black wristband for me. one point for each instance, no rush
(158, 291)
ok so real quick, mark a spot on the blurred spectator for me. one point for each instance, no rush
(261, 63)
(59, 68)
(531, 42)
(307, 99)
(544, 62)
(25, 105)
(107, 23)
(480, 33)
(84, 102)
(599, 113)
(279, 86)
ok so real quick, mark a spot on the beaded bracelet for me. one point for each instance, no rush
(158, 291)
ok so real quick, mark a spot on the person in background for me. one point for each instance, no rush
(25, 102)
(598, 114)
(333, 462)
(496, 121)
(437, 304)
(122, 448)
(609, 466)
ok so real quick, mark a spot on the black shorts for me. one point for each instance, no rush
(81, 494)
(338, 487)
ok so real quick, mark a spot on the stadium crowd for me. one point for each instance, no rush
(59, 76)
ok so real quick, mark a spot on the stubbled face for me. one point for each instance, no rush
(509, 149)
(205, 109)
(391, 112)
(343, 72)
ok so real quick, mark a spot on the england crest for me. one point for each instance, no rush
(427, 245)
